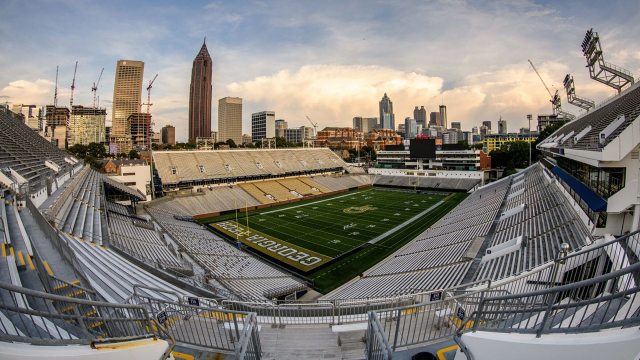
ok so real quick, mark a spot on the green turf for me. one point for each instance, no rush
(318, 225)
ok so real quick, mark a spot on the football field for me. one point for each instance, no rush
(332, 239)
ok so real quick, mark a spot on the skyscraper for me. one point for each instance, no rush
(387, 119)
(487, 124)
(443, 116)
(420, 115)
(502, 126)
(168, 134)
(364, 124)
(456, 125)
(200, 95)
(230, 119)
(410, 128)
(126, 101)
(434, 119)
(86, 125)
(263, 125)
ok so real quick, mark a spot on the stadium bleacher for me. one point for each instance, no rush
(136, 236)
(477, 218)
(588, 127)
(25, 152)
(546, 221)
(176, 167)
(82, 212)
(214, 199)
(425, 182)
(238, 271)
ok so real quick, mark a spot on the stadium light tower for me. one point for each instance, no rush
(529, 117)
(574, 99)
(600, 70)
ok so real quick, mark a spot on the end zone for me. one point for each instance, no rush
(285, 252)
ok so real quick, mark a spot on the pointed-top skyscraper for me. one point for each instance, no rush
(387, 119)
(200, 95)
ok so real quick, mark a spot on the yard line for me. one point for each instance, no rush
(315, 202)
(382, 236)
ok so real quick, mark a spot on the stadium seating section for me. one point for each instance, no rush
(193, 166)
(425, 182)
(436, 259)
(243, 274)
(627, 105)
(208, 200)
(24, 151)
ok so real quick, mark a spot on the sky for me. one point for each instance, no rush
(328, 60)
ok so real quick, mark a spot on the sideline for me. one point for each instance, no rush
(310, 203)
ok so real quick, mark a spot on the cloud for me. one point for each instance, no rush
(29, 92)
(333, 94)
(212, 5)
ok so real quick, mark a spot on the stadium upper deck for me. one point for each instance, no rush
(596, 130)
(28, 154)
(201, 167)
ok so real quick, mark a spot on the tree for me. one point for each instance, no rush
(78, 150)
(154, 146)
(499, 158)
(518, 152)
(134, 154)
(477, 146)
(465, 144)
(510, 169)
(231, 143)
(97, 150)
(95, 163)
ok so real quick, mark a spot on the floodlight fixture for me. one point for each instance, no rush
(601, 71)
(574, 99)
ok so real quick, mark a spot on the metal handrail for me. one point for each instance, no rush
(375, 331)
(249, 341)
(597, 247)
(530, 304)
(563, 288)
(48, 319)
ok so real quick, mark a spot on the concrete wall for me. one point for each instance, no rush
(619, 344)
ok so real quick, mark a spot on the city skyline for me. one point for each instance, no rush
(332, 69)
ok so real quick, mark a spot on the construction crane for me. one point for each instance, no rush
(315, 127)
(55, 93)
(94, 88)
(556, 103)
(73, 86)
(149, 122)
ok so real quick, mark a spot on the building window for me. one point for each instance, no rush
(174, 170)
(603, 181)
(128, 174)
(130, 183)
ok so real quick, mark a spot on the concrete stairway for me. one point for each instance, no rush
(309, 342)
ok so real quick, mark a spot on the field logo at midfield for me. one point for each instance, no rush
(357, 210)
(281, 250)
